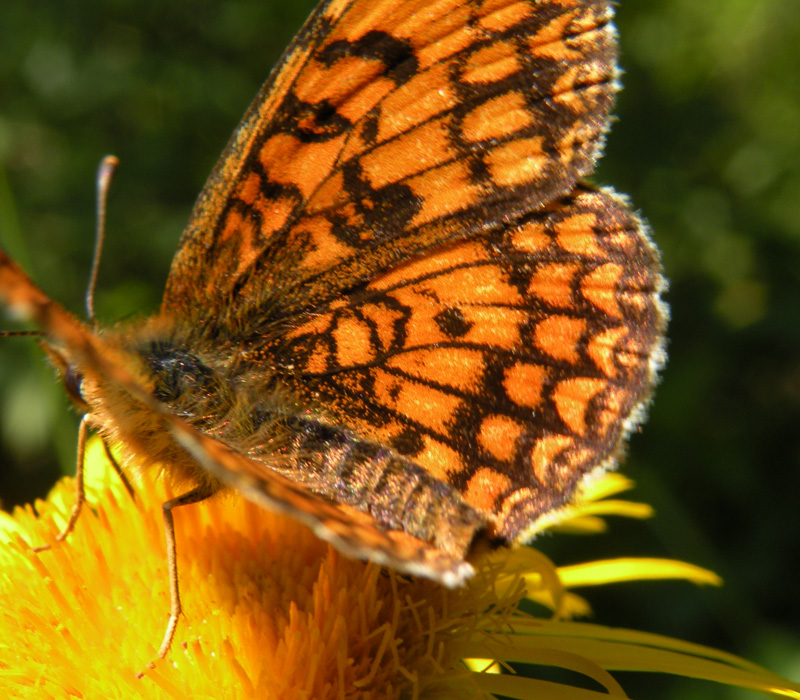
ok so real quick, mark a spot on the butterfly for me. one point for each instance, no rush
(397, 312)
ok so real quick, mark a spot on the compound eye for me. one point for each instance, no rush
(72, 383)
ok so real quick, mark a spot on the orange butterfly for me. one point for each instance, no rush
(395, 313)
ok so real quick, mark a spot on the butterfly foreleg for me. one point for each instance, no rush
(80, 488)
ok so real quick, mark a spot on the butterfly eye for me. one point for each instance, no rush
(72, 383)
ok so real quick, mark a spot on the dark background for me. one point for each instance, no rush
(707, 146)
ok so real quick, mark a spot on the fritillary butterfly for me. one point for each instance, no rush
(396, 312)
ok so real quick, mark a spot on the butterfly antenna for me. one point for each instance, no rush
(15, 334)
(104, 173)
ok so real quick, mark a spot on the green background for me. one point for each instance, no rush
(707, 146)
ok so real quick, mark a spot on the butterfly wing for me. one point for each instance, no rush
(348, 529)
(509, 365)
(386, 129)
(396, 227)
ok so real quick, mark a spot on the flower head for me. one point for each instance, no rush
(271, 611)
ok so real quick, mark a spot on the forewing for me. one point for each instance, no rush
(387, 129)
(508, 365)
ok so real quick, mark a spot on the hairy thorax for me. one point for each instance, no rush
(202, 388)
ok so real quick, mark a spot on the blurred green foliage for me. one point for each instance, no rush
(707, 146)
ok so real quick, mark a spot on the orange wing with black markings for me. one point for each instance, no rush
(509, 365)
(389, 128)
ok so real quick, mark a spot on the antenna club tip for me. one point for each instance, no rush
(107, 166)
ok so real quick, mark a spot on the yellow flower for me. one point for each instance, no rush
(273, 612)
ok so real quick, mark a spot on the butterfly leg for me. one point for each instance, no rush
(80, 490)
(121, 474)
(194, 496)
